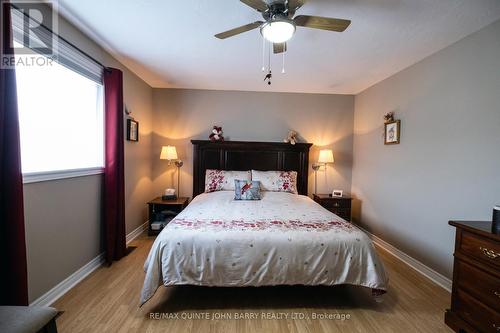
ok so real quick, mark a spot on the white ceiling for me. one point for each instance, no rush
(171, 43)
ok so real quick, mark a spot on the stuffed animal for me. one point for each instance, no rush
(291, 138)
(389, 117)
(216, 134)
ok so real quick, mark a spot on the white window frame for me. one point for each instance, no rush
(36, 177)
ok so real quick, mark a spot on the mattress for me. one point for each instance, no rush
(283, 239)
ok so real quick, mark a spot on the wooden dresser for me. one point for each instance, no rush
(475, 298)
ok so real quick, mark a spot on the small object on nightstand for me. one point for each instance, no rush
(337, 193)
(161, 212)
(340, 206)
(169, 194)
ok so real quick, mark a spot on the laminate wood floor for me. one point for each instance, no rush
(108, 301)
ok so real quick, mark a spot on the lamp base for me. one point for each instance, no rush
(316, 167)
(178, 164)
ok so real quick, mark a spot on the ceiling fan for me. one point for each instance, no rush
(280, 23)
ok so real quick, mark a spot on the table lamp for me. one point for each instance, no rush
(169, 153)
(325, 157)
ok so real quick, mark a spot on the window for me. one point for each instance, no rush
(60, 119)
(60, 103)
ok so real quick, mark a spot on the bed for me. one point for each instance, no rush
(282, 239)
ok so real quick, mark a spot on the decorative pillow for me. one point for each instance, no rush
(222, 180)
(246, 190)
(276, 181)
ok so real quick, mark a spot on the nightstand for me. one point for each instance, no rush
(163, 211)
(340, 206)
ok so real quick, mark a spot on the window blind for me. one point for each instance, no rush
(62, 51)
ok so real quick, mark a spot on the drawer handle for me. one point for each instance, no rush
(489, 253)
(497, 327)
(497, 294)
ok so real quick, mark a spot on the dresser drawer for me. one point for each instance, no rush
(336, 204)
(483, 249)
(474, 312)
(479, 284)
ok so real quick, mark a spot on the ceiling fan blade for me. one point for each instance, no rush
(258, 5)
(239, 30)
(324, 23)
(279, 47)
(293, 5)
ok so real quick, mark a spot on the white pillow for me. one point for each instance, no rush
(276, 181)
(222, 180)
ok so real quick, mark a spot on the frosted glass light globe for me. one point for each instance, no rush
(278, 31)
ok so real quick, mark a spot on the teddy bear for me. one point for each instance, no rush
(216, 134)
(389, 117)
(291, 137)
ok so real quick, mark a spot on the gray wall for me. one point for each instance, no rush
(63, 231)
(181, 115)
(447, 165)
(63, 221)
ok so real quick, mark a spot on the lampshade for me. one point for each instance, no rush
(168, 153)
(325, 156)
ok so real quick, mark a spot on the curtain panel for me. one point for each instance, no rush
(114, 179)
(14, 275)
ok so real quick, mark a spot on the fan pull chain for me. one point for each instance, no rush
(269, 75)
(283, 65)
(269, 56)
(263, 53)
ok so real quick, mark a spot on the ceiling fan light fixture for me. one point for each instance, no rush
(278, 31)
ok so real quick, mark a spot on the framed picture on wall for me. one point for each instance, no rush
(392, 132)
(132, 130)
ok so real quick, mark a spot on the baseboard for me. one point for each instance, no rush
(136, 232)
(60, 289)
(426, 271)
(64, 286)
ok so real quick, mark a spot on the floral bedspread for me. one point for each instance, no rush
(283, 239)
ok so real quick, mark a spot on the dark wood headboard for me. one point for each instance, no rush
(243, 155)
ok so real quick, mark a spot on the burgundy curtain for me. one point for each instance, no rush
(114, 179)
(14, 275)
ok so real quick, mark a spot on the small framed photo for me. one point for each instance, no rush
(392, 132)
(132, 130)
(337, 193)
